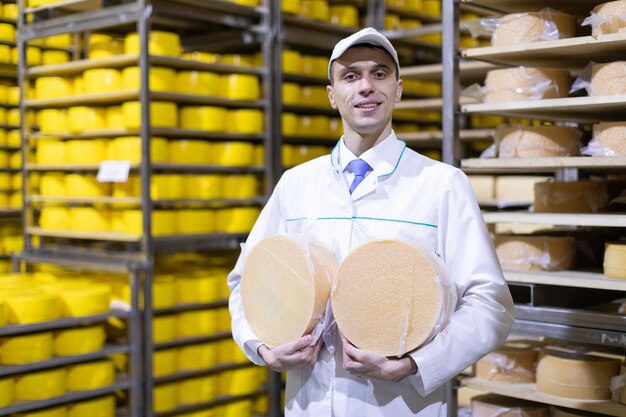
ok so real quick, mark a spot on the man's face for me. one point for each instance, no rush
(365, 89)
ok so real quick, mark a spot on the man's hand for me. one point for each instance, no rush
(374, 366)
(291, 355)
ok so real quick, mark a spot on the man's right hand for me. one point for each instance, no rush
(291, 355)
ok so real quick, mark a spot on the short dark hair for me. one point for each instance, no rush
(371, 46)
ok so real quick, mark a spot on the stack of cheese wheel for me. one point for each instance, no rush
(514, 362)
(615, 260)
(537, 141)
(491, 405)
(523, 83)
(607, 79)
(535, 253)
(520, 28)
(611, 18)
(406, 301)
(608, 139)
(285, 286)
(571, 374)
(572, 197)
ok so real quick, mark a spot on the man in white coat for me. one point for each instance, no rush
(390, 192)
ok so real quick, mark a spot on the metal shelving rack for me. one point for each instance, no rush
(569, 324)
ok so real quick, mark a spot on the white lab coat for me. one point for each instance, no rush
(408, 197)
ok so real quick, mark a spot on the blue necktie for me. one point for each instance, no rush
(359, 168)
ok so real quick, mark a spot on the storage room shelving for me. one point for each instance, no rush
(571, 324)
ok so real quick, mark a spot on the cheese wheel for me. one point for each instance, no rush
(285, 287)
(514, 362)
(520, 28)
(608, 79)
(537, 141)
(483, 187)
(572, 197)
(575, 375)
(517, 188)
(611, 16)
(388, 297)
(491, 405)
(522, 83)
(608, 139)
(535, 253)
(615, 260)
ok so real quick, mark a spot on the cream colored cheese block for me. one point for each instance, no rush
(388, 298)
(483, 186)
(608, 79)
(612, 16)
(514, 362)
(518, 188)
(575, 375)
(520, 28)
(523, 83)
(536, 253)
(492, 405)
(611, 137)
(285, 287)
(570, 197)
(615, 260)
(537, 141)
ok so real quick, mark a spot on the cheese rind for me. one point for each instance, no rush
(492, 405)
(520, 28)
(609, 139)
(571, 197)
(537, 253)
(537, 141)
(523, 83)
(388, 297)
(615, 260)
(608, 79)
(611, 18)
(514, 362)
(285, 286)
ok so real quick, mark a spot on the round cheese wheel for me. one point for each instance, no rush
(514, 362)
(523, 83)
(537, 141)
(575, 375)
(388, 298)
(285, 286)
(570, 197)
(615, 260)
(491, 405)
(610, 137)
(534, 253)
(608, 79)
(518, 28)
(611, 17)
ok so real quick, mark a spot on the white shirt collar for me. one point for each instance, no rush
(383, 157)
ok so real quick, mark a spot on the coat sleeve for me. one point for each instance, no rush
(484, 312)
(270, 222)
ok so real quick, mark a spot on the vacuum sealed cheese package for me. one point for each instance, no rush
(606, 18)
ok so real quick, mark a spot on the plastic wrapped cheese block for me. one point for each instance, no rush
(608, 79)
(285, 287)
(514, 362)
(390, 297)
(537, 253)
(608, 140)
(537, 141)
(615, 260)
(608, 18)
(572, 374)
(571, 197)
(492, 405)
(520, 28)
(522, 83)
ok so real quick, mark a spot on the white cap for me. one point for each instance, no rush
(367, 35)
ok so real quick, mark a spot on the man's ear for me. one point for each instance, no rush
(399, 91)
(331, 96)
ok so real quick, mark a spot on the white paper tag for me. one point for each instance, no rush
(113, 171)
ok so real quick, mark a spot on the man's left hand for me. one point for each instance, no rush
(371, 365)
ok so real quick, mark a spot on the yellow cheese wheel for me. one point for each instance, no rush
(291, 61)
(52, 185)
(6, 391)
(79, 341)
(209, 118)
(115, 118)
(54, 218)
(573, 197)
(63, 40)
(102, 80)
(89, 219)
(196, 357)
(40, 385)
(165, 397)
(610, 138)
(81, 298)
(31, 306)
(54, 57)
(85, 151)
(79, 185)
(52, 121)
(537, 141)
(314, 9)
(195, 221)
(203, 186)
(316, 126)
(291, 93)
(240, 381)
(240, 186)
(547, 253)
(344, 15)
(514, 362)
(607, 79)
(162, 114)
(104, 46)
(197, 323)
(615, 260)
(491, 405)
(167, 186)
(236, 220)
(163, 291)
(198, 82)
(52, 87)
(575, 375)
(241, 87)
(233, 153)
(99, 407)
(245, 121)
(18, 350)
(90, 375)
(289, 124)
(524, 83)
(185, 151)
(46, 412)
(389, 270)
(159, 43)
(198, 287)
(195, 390)
(520, 28)
(128, 148)
(611, 15)
(164, 362)
(296, 277)
(161, 79)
